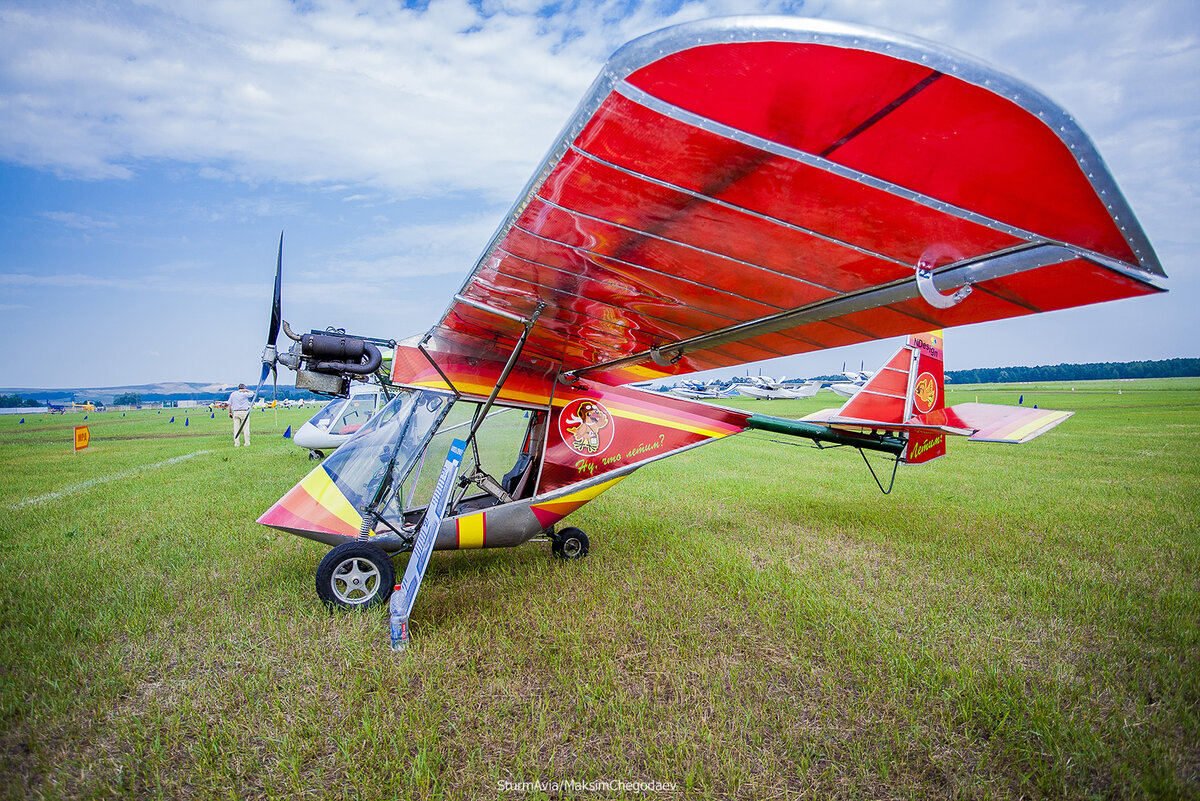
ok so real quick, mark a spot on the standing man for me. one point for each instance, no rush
(239, 410)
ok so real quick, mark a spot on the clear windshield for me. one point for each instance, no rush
(400, 429)
(498, 446)
(355, 414)
(325, 417)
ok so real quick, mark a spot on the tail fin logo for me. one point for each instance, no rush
(925, 393)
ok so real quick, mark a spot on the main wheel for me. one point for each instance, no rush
(315, 455)
(570, 543)
(355, 575)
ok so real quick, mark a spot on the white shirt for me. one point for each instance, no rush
(239, 400)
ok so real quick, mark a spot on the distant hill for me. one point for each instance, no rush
(1096, 371)
(164, 391)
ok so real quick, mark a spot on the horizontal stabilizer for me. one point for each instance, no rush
(994, 423)
(980, 422)
(914, 409)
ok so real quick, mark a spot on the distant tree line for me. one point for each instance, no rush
(127, 399)
(1163, 368)
(13, 401)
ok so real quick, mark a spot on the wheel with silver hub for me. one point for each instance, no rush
(570, 543)
(355, 575)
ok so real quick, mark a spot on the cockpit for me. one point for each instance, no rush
(396, 457)
(341, 417)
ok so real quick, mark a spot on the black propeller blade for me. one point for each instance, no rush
(276, 310)
(276, 317)
(269, 353)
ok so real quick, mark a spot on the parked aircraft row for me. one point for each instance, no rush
(764, 388)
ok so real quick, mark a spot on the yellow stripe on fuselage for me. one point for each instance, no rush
(657, 419)
(584, 495)
(672, 423)
(541, 399)
(470, 531)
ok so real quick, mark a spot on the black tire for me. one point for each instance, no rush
(315, 456)
(355, 575)
(570, 543)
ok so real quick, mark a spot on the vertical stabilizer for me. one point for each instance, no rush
(926, 394)
(905, 403)
(908, 387)
(926, 385)
(882, 399)
(909, 383)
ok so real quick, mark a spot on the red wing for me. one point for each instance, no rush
(740, 189)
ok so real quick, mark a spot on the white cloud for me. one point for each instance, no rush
(415, 249)
(369, 102)
(466, 98)
(163, 281)
(243, 209)
(74, 219)
(393, 98)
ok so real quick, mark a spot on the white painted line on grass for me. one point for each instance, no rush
(52, 496)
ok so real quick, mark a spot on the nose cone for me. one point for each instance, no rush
(314, 506)
(309, 436)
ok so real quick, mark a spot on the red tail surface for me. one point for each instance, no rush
(907, 395)
(905, 389)
(926, 394)
(910, 383)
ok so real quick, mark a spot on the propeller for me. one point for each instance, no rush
(270, 354)
(324, 362)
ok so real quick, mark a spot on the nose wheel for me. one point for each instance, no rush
(355, 575)
(569, 543)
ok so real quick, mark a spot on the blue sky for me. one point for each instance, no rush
(151, 152)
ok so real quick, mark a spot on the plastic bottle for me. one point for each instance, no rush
(399, 624)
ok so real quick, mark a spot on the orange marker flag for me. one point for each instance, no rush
(82, 438)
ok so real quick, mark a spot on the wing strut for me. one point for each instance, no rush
(528, 324)
(478, 476)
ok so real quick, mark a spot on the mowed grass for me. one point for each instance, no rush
(754, 620)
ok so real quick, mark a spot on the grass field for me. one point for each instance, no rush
(754, 621)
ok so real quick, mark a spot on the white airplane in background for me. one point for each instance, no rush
(700, 390)
(339, 420)
(762, 387)
(854, 382)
